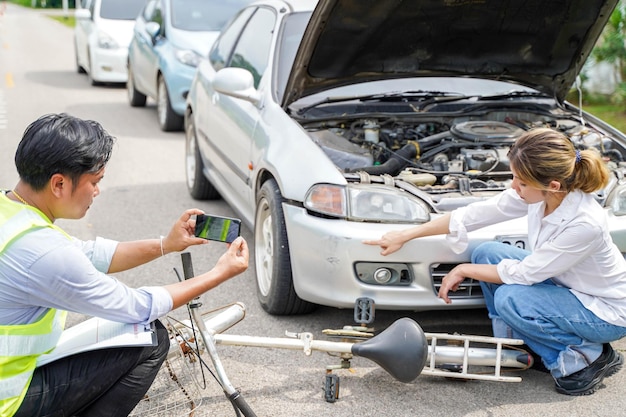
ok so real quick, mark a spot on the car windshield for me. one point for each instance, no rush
(121, 9)
(293, 30)
(204, 15)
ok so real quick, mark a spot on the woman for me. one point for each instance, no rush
(566, 298)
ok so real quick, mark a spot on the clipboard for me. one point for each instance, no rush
(97, 333)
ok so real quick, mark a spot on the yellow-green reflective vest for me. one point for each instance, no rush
(21, 345)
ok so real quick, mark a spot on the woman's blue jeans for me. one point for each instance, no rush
(99, 383)
(549, 318)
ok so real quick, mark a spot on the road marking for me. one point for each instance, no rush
(8, 78)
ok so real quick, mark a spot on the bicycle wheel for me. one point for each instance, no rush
(173, 393)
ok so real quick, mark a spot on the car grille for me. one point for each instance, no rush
(468, 288)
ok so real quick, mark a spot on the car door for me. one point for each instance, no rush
(145, 60)
(230, 122)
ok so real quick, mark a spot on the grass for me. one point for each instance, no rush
(68, 21)
(25, 3)
(612, 114)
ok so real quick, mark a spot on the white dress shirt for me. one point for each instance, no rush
(571, 245)
(44, 269)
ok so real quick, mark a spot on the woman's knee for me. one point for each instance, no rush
(504, 299)
(513, 301)
(492, 252)
(483, 254)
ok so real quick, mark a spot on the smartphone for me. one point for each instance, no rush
(221, 229)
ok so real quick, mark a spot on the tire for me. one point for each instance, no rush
(135, 98)
(169, 121)
(274, 279)
(90, 72)
(79, 68)
(198, 185)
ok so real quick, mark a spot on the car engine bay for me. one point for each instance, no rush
(447, 157)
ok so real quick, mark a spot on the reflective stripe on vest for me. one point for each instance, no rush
(19, 340)
(10, 405)
(20, 345)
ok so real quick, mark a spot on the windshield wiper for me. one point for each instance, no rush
(514, 94)
(396, 95)
(499, 96)
(423, 98)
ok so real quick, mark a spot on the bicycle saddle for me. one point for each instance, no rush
(401, 349)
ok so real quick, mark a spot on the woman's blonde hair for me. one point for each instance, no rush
(543, 155)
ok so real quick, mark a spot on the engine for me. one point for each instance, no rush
(442, 156)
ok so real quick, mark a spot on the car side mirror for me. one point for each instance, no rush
(153, 29)
(238, 83)
(82, 14)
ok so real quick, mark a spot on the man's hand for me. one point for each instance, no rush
(235, 260)
(182, 235)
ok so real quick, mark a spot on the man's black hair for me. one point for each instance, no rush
(63, 144)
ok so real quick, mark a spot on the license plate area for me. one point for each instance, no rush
(520, 241)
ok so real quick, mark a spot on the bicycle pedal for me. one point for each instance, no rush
(364, 308)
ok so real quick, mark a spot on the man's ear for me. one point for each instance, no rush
(59, 185)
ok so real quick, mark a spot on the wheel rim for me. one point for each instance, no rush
(162, 102)
(264, 249)
(190, 157)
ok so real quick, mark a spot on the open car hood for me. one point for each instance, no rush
(541, 44)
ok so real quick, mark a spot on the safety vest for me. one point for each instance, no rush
(21, 345)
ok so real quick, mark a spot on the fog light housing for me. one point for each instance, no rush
(382, 275)
(376, 273)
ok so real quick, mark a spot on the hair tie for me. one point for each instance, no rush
(578, 157)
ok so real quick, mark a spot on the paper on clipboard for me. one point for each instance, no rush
(96, 333)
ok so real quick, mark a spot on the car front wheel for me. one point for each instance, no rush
(135, 98)
(79, 68)
(274, 279)
(198, 185)
(168, 120)
(92, 80)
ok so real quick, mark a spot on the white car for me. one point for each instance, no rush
(102, 34)
(326, 124)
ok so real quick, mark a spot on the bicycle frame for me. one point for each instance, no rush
(404, 350)
(438, 355)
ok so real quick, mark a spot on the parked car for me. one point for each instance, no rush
(170, 38)
(101, 36)
(379, 115)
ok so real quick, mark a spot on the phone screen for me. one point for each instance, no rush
(221, 229)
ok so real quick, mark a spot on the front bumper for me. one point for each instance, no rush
(328, 258)
(109, 65)
(178, 78)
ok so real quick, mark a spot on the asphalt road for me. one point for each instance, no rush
(144, 191)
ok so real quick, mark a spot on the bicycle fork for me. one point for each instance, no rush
(208, 339)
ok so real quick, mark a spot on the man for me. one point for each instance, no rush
(44, 272)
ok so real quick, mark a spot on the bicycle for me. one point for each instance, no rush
(403, 350)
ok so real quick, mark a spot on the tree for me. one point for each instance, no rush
(611, 49)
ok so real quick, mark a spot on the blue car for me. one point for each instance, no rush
(170, 38)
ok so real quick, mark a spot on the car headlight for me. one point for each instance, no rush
(371, 202)
(618, 202)
(105, 41)
(188, 57)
